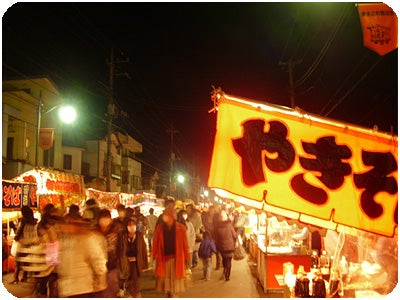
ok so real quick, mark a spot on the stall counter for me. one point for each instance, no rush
(270, 268)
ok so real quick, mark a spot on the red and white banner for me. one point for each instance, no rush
(379, 26)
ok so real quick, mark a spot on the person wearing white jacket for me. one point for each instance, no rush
(83, 258)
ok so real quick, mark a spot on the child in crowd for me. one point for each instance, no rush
(206, 249)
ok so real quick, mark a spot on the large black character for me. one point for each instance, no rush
(376, 180)
(254, 141)
(328, 161)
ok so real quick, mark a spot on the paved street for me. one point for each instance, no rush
(242, 284)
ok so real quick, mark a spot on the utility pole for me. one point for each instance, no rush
(172, 132)
(290, 64)
(111, 114)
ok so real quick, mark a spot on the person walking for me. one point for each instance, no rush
(151, 226)
(111, 232)
(83, 257)
(133, 259)
(194, 216)
(206, 249)
(209, 218)
(190, 234)
(49, 231)
(171, 251)
(225, 238)
(26, 235)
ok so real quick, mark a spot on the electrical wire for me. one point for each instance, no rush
(324, 49)
(354, 86)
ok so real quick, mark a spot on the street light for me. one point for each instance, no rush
(181, 178)
(67, 114)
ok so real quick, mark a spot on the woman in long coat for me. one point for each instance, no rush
(171, 251)
(225, 238)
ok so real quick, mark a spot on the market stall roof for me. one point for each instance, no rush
(316, 170)
(53, 186)
(111, 200)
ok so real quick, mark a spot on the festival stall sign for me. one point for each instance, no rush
(105, 200)
(315, 170)
(59, 188)
(144, 198)
(18, 194)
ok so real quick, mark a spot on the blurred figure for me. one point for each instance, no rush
(151, 226)
(91, 211)
(119, 221)
(83, 257)
(49, 231)
(26, 235)
(194, 216)
(111, 232)
(206, 249)
(190, 234)
(73, 213)
(239, 222)
(141, 221)
(133, 259)
(225, 238)
(171, 251)
(209, 218)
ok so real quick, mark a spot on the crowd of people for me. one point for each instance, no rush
(89, 254)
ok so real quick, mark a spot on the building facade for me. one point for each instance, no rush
(21, 100)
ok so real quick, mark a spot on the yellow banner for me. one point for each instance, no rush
(301, 166)
(379, 26)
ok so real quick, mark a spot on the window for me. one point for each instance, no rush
(10, 147)
(67, 164)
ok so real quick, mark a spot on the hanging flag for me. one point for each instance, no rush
(304, 167)
(379, 26)
(46, 138)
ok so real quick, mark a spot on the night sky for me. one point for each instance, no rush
(178, 51)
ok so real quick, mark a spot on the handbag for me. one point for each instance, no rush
(239, 252)
(52, 253)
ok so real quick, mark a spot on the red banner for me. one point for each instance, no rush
(379, 26)
(46, 138)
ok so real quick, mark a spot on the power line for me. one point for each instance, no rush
(354, 86)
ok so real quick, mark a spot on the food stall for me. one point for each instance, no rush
(59, 188)
(315, 172)
(15, 195)
(110, 200)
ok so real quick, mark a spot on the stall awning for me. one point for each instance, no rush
(304, 167)
(57, 187)
(111, 200)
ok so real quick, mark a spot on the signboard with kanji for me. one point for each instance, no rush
(302, 166)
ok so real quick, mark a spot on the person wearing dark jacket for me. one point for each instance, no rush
(225, 238)
(206, 249)
(112, 235)
(133, 259)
